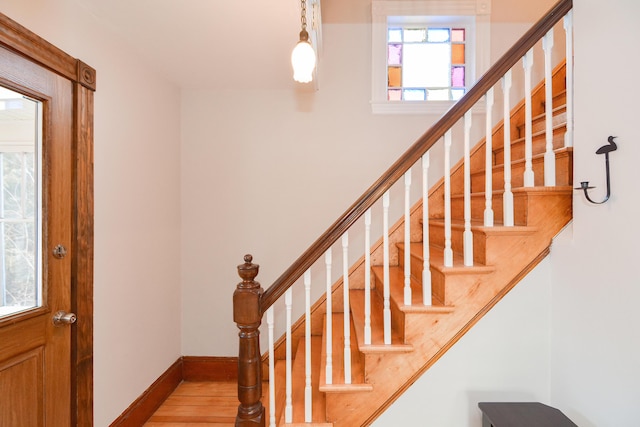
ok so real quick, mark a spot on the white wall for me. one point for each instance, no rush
(267, 172)
(137, 215)
(596, 285)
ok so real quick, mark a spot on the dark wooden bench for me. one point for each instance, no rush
(522, 414)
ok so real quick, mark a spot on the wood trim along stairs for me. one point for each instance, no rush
(462, 295)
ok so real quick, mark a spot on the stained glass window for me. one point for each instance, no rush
(395, 54)
(457, 77)
(395, 77)
(395, 95)
(414, 35)
(426, 63)
(395, 35)
(438, 35)
(414, 94)
(457, 54)
(457, 35)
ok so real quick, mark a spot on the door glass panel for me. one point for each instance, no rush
(20, 203)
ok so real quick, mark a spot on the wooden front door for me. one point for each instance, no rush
(36, 244)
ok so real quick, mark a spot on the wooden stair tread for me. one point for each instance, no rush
(559, 152)
(357, 368)
(559, 115)
(556, 111)
(377, 325)
(477, 226)
(557, 189)
(436, 260)
(298, 383)
(554, 127)
(311, 424)
(532, 190)
(558, 122)
(396, 290)
(563, 172)
(538, 141)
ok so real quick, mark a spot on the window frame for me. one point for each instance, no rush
(24, 143)
(443, 12)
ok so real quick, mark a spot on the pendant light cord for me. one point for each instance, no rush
(303, 14)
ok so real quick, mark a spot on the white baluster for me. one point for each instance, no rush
(507, 197)
(346, 317)
(467, 235)
(426, 265)
(385, 269)
(448, 252)
(308, 404)
(549, 154)
(488, 162)
(527, 63)
(367, 277)
(407, 238)
(272, 370)
(288, 409)
(568, 27)
(328, 369)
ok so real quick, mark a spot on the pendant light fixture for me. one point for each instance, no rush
(303, 57)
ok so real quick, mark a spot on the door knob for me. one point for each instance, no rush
(62, 318)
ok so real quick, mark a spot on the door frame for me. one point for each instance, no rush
(20, 40)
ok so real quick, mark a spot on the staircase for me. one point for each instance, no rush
(461, 292)
(461, 295)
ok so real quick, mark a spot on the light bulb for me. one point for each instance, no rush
(303, 60)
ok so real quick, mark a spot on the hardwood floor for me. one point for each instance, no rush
(198, 404)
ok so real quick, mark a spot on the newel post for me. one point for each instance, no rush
(248, 316)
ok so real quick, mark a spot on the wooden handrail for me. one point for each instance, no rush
(414, 153)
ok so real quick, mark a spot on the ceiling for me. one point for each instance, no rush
(227, 44)
(212, 44)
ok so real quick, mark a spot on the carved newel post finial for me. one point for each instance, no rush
(248, 271)
(248, 316)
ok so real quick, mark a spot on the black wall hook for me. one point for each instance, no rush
(605, 149)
